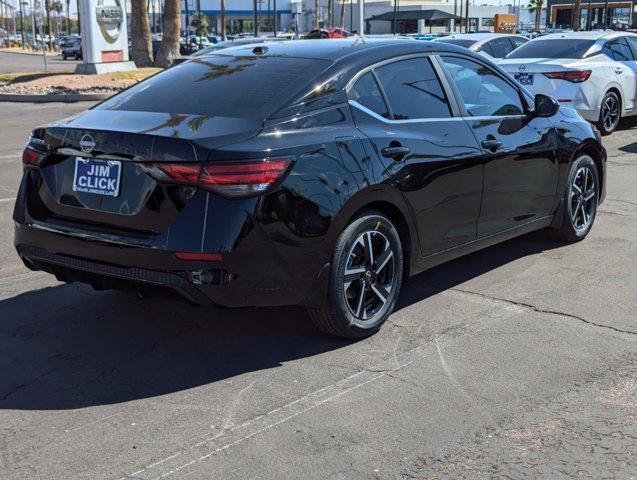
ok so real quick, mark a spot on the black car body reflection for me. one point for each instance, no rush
(332, 129)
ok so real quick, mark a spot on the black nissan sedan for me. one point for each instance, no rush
(321, 174)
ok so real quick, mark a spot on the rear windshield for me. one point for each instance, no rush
(245, 87)
(558, 48)
(458, 41)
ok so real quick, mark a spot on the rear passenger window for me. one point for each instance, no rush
(632, 41)
(501, 47)
(486, 48)
(484, 92)
(413, 90)
(367, 93)
(518, 41)
(620, 50)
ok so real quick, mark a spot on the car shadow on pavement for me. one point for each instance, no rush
(67, 346)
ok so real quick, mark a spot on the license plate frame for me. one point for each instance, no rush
(98, 177)
(525, 78)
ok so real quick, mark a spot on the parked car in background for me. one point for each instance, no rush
(227, 44)
(72, 49)
(331, 33)
(315, 173)
(494, 45)
(592, 72)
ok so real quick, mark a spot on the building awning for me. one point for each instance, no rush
(428, 15)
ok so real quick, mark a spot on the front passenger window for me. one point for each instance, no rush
(483, 92)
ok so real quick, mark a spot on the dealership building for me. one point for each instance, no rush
(240, 14)
(621, 14)
(301, 14)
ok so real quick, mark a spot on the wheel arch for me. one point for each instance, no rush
(390, 202)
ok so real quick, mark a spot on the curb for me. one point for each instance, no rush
(36, 54)
(68, 98)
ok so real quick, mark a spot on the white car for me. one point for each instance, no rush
(492, 45)
(593, 72)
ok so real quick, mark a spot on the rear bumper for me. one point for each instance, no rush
(155, 272)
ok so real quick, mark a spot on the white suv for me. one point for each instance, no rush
(592, 72)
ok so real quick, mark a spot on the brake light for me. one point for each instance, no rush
(181, 174)
(31, 157)
(573, 76)
(230, 179)
(234, 179)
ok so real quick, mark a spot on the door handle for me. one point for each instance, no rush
(396, 152)
(491, 144)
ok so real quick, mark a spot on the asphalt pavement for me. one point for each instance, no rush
(519, 361)
(19, 62)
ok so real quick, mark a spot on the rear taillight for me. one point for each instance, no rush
(234, 179)
(32, 157)
(574, 76)
(230, 179)
(181, 174)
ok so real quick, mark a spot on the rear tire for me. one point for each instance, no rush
(365, 278)
(580, 201)
(610, 113)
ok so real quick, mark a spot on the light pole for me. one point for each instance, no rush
(361, 20)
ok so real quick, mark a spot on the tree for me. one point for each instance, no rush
(200, 22)
(342, 15)
(330, 6)
(315, 14)
(47, 7)
(68, 17)
(223, 20)
(536, 6)
(172, 27)
(141, 42)
(576, 15)
(58, 7)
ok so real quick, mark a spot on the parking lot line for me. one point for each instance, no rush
(200, 451)
(7, 199)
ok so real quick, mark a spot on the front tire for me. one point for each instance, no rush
(580, 200)
(610, 113)
(365, 278)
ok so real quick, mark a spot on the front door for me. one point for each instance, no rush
(520, 164)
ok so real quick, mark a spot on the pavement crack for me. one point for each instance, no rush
(545, 310)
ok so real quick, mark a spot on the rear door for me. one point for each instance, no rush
(426, 146)
(520, 166)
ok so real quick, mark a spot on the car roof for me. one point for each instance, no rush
(337, 49)
(590, 35)
(478, 36)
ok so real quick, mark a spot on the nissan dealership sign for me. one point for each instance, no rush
(104, 37)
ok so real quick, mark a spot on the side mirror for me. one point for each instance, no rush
(545, 106)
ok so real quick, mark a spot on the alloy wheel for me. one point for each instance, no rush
(610, 113)
(369, 276)
(583, 198)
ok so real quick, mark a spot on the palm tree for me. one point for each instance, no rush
(141, 42)
(315, 14)
(536, 6)
(172, 27)
(576, 15)
(59, 8)
(47, 7)
(68, 17)
(223, 20)
(342, 14)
